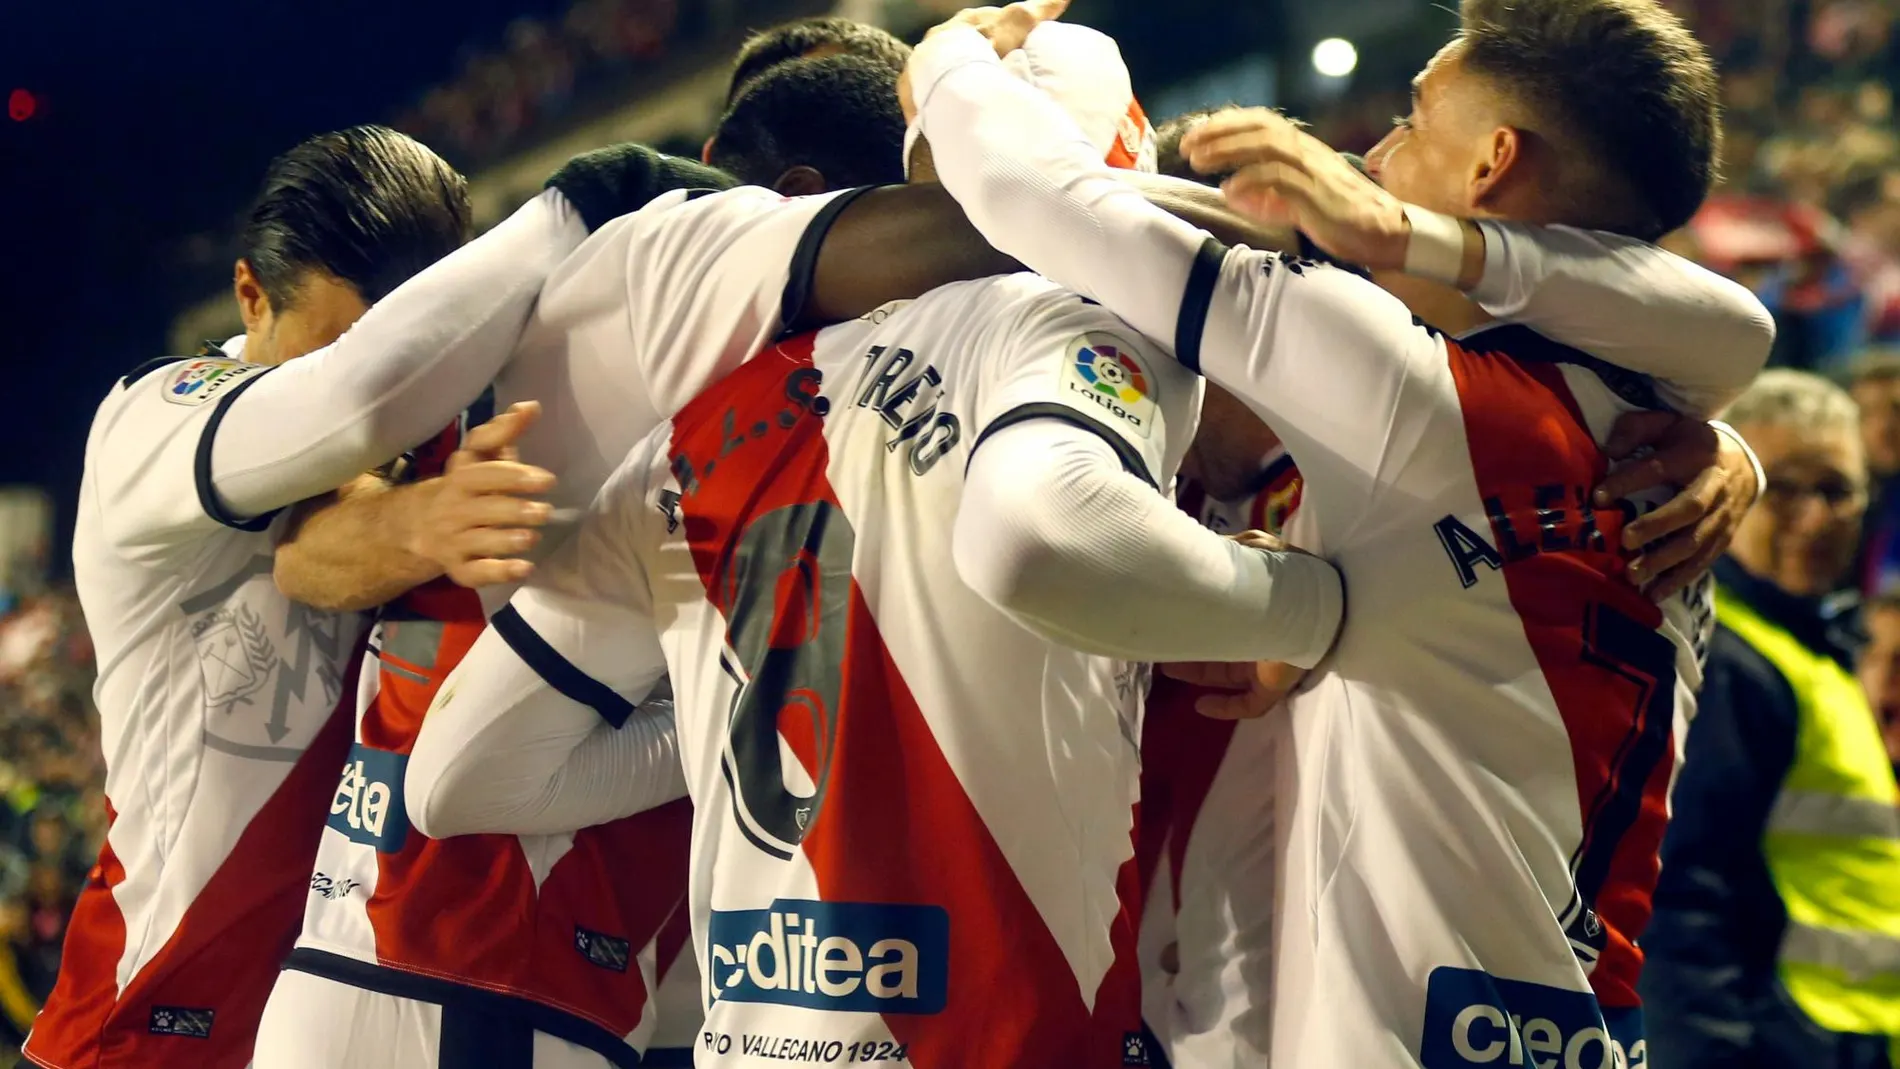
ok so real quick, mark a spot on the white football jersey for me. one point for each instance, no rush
(1483, 764)
(911, 814)
(219, 701)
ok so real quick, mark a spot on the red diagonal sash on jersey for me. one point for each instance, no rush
(895, 824)
(1582, 621)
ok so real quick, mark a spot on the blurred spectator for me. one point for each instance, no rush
(52, 802)
(1876, 387)
(1779, 899)
(1880, 668)
(504, 95)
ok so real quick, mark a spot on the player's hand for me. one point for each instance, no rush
(1680, 540)
(1006, 27)
(481, 516)
(1284, 176)
(1251, 688)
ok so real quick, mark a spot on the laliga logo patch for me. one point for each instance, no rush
(1104, 377)
(194, 382)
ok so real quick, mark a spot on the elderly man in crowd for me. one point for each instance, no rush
(1776, 937)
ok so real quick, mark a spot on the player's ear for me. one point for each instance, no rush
(801, 181)
(1501, 162)
(253, 303)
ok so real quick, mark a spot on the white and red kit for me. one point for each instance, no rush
(219, 696)
(528, 950)
(802, 550)
(1205, 847)
(1482, 768)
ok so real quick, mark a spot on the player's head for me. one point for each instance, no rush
(808, 38)
(1168, 135)
(812, 125)
(1596, 113)
(1803, 534)
(342, 219)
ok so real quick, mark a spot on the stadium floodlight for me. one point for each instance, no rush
(1335, 57)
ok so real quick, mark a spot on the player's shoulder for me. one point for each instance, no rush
(183, 383)
(682, 207)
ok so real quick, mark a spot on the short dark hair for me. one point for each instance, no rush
(793, 40)
(836, 114)
(367, 205)
(1168, 135)
(1623, 82)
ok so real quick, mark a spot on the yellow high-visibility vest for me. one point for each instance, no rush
(1833, 840)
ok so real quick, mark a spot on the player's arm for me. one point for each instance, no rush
(1056, 533)
(374, 539)
(1027, 176)
(1063, 524)
(537, 730)
(348, 551)
(1619, 299)
(1335, 365)
(274, 436)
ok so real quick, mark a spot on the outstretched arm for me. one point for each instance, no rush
(540, 728)
(398, 376)
(1055, 533)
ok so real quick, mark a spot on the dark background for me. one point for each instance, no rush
(153, 122)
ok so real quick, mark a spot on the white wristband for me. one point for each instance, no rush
(1436, 250)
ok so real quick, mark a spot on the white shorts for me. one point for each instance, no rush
(312, 1022)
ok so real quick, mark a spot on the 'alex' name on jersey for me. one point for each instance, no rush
(1555, 518)
(846, 956)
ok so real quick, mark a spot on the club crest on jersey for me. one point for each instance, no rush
(1475, 1019)
(846, 956)
(194, 382)
(271, 665)
(368, 807)
(1103, 376)
(235, 654)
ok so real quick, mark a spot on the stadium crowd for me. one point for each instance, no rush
(1806, 215)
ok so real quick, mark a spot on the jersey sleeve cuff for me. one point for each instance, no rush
(1309, 587)
(557, 670)
(201, 465)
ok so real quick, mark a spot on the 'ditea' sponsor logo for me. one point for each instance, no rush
(1474, 1018)
(369, 807)
(846, 956)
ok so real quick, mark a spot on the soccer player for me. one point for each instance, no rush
(494, 710)
(567, 949)
(840, 583)
(1208, 814)
(1483, 766)
(810, 38)
(217, 694)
